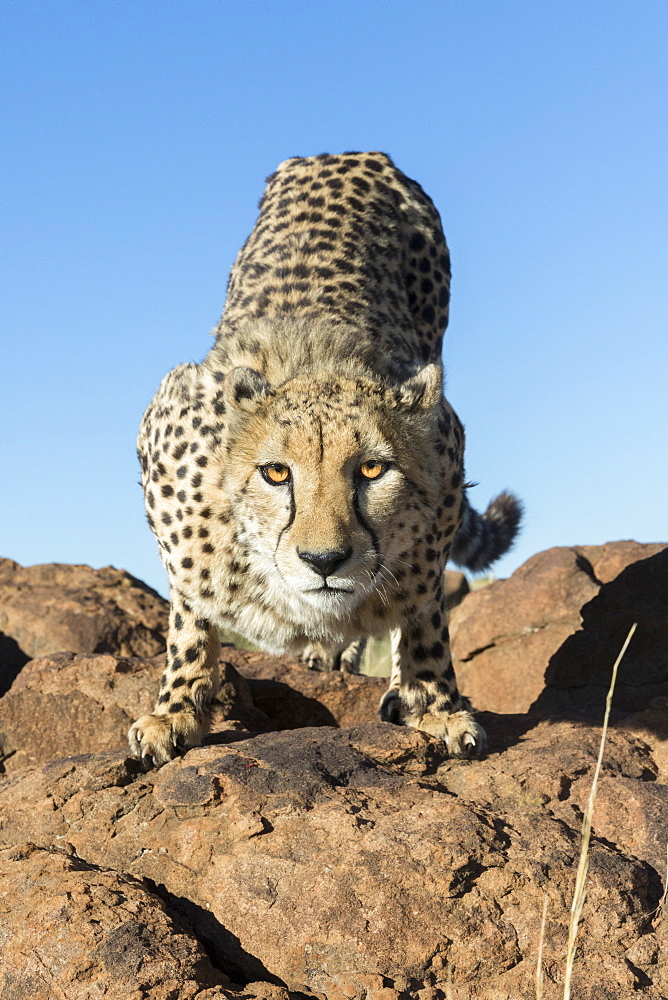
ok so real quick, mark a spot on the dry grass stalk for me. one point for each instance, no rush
(579, 894)
(662, 901)
(539, 963)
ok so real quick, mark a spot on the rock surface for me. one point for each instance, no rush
(291, 696)
(456, 587)
(651, 725)
(70, 704)
(545, 640)
(349, 863)
(71, 929)
(55, 608)
(323, 856)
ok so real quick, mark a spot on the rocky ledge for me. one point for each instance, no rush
(309, 851)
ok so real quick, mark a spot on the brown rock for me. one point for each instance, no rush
(67, 704)
(351, 862)
(550, 766)
(292, 696)
(70, 929)
(545, 640)
(651, 725)
(53, 608)
(456, 587)
(355, 863)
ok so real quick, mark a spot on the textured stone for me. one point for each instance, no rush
(292, 696)
(69, 704)
(651, 725)
(545, 640)
(356, 863)
(70, 929)
(54, 608)
(353, 861)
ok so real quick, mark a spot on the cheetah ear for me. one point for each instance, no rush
(422, 390)
(245, 389)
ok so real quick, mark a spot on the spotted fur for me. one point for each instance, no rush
(327, 363)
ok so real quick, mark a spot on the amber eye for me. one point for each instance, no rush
(275, 473)
(372, 470)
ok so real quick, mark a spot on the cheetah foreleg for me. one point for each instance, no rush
(423, 689)
(181, 717)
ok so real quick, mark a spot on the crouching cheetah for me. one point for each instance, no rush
(305, 482)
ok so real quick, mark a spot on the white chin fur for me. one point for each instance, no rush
(296, 598)
(335, 601)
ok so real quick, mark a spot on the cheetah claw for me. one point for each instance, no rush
(459, 731)
(157, 739)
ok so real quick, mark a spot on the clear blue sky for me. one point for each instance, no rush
(139, 136)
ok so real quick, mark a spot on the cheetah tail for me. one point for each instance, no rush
(483, 538)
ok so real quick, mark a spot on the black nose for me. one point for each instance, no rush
(326, 562)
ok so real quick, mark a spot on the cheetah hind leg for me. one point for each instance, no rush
(351, 657)
(347, 659)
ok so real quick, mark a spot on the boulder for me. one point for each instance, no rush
(651, 725)
(544, 641)
(292, 696)
(68, 704)
(349, 863)
(73, 930)
(53, 608)
(360, 862)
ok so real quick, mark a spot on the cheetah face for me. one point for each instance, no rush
(319, 477)
(319, 514)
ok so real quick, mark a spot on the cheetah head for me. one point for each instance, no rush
(324, 474)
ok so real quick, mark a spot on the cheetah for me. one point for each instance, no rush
(305, 482)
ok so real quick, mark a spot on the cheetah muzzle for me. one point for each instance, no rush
(305, 482)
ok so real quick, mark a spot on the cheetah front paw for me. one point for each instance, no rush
(459, 731)
(159, 738)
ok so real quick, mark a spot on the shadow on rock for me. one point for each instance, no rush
(288, 708)
(12, 660)
(578, 674)
(223, 948)
(505, 731)
(544, 641)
